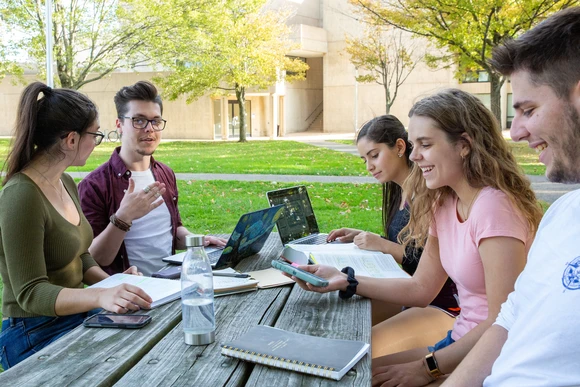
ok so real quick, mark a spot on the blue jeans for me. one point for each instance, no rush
(24, 336)
(443, 343)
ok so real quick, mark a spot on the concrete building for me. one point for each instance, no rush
(329, 100)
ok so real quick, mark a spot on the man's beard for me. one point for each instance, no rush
(566, 164)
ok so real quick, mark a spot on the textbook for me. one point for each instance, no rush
(223, 286)
(329, 358)
(364, 262)
(161, 290)
(270, 278)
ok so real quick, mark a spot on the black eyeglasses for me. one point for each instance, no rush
(157, 124)
(98, 137)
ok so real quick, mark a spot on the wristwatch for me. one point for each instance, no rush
(432, 365)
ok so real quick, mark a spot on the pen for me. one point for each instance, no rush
(234, 275)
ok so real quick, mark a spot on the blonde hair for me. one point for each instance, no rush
(489, 163)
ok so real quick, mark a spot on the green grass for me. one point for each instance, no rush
(261, 157)
(267, 157)
(527, 158)
(346, 142)
(215, 206)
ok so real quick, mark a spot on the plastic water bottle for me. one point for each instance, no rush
(197, 294)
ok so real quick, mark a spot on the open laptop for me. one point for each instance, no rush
(247, 239)
(298, 224)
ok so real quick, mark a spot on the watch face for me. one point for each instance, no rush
(431, 362)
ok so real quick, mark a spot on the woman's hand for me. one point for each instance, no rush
(211, 240)
(133, 271)
(123, 298)
(369, 241)
(344, 235)
(411, 374)
(138, 204)
(336, 279)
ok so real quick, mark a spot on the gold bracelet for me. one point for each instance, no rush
(121, 225)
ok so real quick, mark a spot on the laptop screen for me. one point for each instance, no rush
(298, 219)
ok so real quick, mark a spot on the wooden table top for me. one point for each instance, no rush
(156, 355)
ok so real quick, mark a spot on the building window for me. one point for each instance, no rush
(486, 99)
(476, 76)
(510, 112)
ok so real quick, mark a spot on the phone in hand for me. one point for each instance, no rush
(129, 321)
(171, 273)
(300, 274)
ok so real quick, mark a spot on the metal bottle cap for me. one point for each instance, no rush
(199, 339)
(193, 240)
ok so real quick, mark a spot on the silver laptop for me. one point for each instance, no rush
(297, 225)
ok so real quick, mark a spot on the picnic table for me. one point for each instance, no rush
(156, 355)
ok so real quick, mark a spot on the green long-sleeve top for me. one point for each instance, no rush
(40, 251)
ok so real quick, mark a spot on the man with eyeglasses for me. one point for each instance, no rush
(131, 200)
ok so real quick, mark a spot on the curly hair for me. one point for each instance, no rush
(489, 162)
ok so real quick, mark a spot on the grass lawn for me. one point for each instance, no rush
(215, 206)
(261, 157)
(267, 157)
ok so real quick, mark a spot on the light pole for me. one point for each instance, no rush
(49, 76)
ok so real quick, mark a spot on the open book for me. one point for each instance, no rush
(275, 347)
(364, 262)
(163, 290)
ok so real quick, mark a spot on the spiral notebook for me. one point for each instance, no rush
(329, 358)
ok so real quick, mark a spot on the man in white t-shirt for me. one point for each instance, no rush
(131, 200)
(535, 340)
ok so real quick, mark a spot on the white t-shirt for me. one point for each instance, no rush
(151, 237)
(542, 314)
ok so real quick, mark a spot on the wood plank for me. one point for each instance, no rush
(92, 356)
(100, 357)
(324, 315)
(172, 362)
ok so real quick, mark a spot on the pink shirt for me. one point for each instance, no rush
(492, 215)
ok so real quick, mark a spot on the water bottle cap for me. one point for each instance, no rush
(193, 240)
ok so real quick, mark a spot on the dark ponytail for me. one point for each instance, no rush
(387, 130)
(42, 121)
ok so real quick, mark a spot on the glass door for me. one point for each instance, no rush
(234, 119)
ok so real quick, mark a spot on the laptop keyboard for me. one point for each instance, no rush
(214, 256)
(317, 239)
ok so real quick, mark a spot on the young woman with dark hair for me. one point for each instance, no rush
(44, 236)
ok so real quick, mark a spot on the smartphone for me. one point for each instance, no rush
(299, 273)
(171, 273)
(130, 321)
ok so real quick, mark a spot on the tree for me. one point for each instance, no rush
(467, 29)
(223, 46)
(90, 40)
(386, 59)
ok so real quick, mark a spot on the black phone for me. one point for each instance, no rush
(171, 273)
(130, 321)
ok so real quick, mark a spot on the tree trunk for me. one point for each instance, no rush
(495, 83)
(241, 96)
(388, 102)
